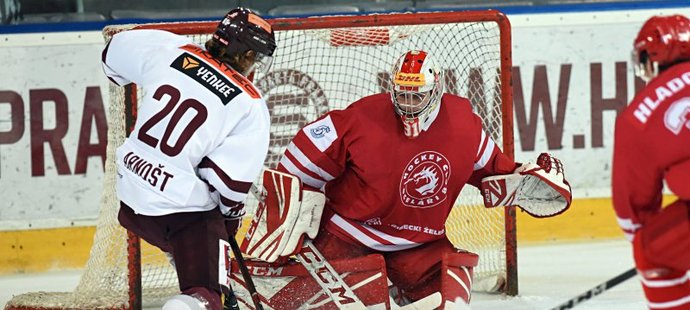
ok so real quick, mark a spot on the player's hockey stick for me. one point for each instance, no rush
(597, 290)
(245, 273)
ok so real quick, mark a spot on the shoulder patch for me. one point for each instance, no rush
(207, 76)
(322, 133)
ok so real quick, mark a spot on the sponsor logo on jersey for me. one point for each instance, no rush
(424, 182)
(189, 63)
(208, 76)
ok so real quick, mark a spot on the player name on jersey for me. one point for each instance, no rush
(153, 174)
(645, 108)
(207, 76)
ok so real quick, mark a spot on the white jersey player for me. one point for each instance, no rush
(200, 140)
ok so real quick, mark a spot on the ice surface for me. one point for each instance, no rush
(549, 274)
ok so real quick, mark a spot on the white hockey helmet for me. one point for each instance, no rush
(416, 90)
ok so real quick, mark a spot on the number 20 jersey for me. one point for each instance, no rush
(201, 133)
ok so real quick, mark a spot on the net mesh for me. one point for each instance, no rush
(315, 71)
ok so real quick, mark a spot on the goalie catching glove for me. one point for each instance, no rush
(539, 189)
(286, 213)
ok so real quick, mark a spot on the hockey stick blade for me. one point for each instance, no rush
(597, 290)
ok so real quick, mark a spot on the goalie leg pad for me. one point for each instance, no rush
(456, 276)
(290, 286)
(666, 237)
(417, 272)
(333, 247)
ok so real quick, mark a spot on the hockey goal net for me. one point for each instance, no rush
(321, 64)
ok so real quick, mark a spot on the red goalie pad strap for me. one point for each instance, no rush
(665, 238)
(289, 286)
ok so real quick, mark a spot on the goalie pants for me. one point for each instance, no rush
(416, 272)
(664, 288)
(193, 240)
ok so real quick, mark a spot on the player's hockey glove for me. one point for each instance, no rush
(539, 189)
(233, 218)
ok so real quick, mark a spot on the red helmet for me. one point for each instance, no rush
(663, 41)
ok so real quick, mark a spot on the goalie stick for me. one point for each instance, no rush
(597, 290)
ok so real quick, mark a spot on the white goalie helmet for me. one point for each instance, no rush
(416, 90)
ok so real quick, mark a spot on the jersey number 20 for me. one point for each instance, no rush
(177, 112)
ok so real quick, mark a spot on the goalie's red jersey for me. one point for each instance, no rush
(651, 135)
(384, 190)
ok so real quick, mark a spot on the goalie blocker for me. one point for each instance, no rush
(286, 213)
(539, 189)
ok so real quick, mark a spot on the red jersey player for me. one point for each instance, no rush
(391, 166)
(199, 142)
(652, 144)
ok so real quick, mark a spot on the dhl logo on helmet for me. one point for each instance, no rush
(409, 79)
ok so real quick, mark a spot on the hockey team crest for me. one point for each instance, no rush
(424, 182)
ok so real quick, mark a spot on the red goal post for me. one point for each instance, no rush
(321, 64)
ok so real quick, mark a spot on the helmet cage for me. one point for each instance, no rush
(415, 104)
